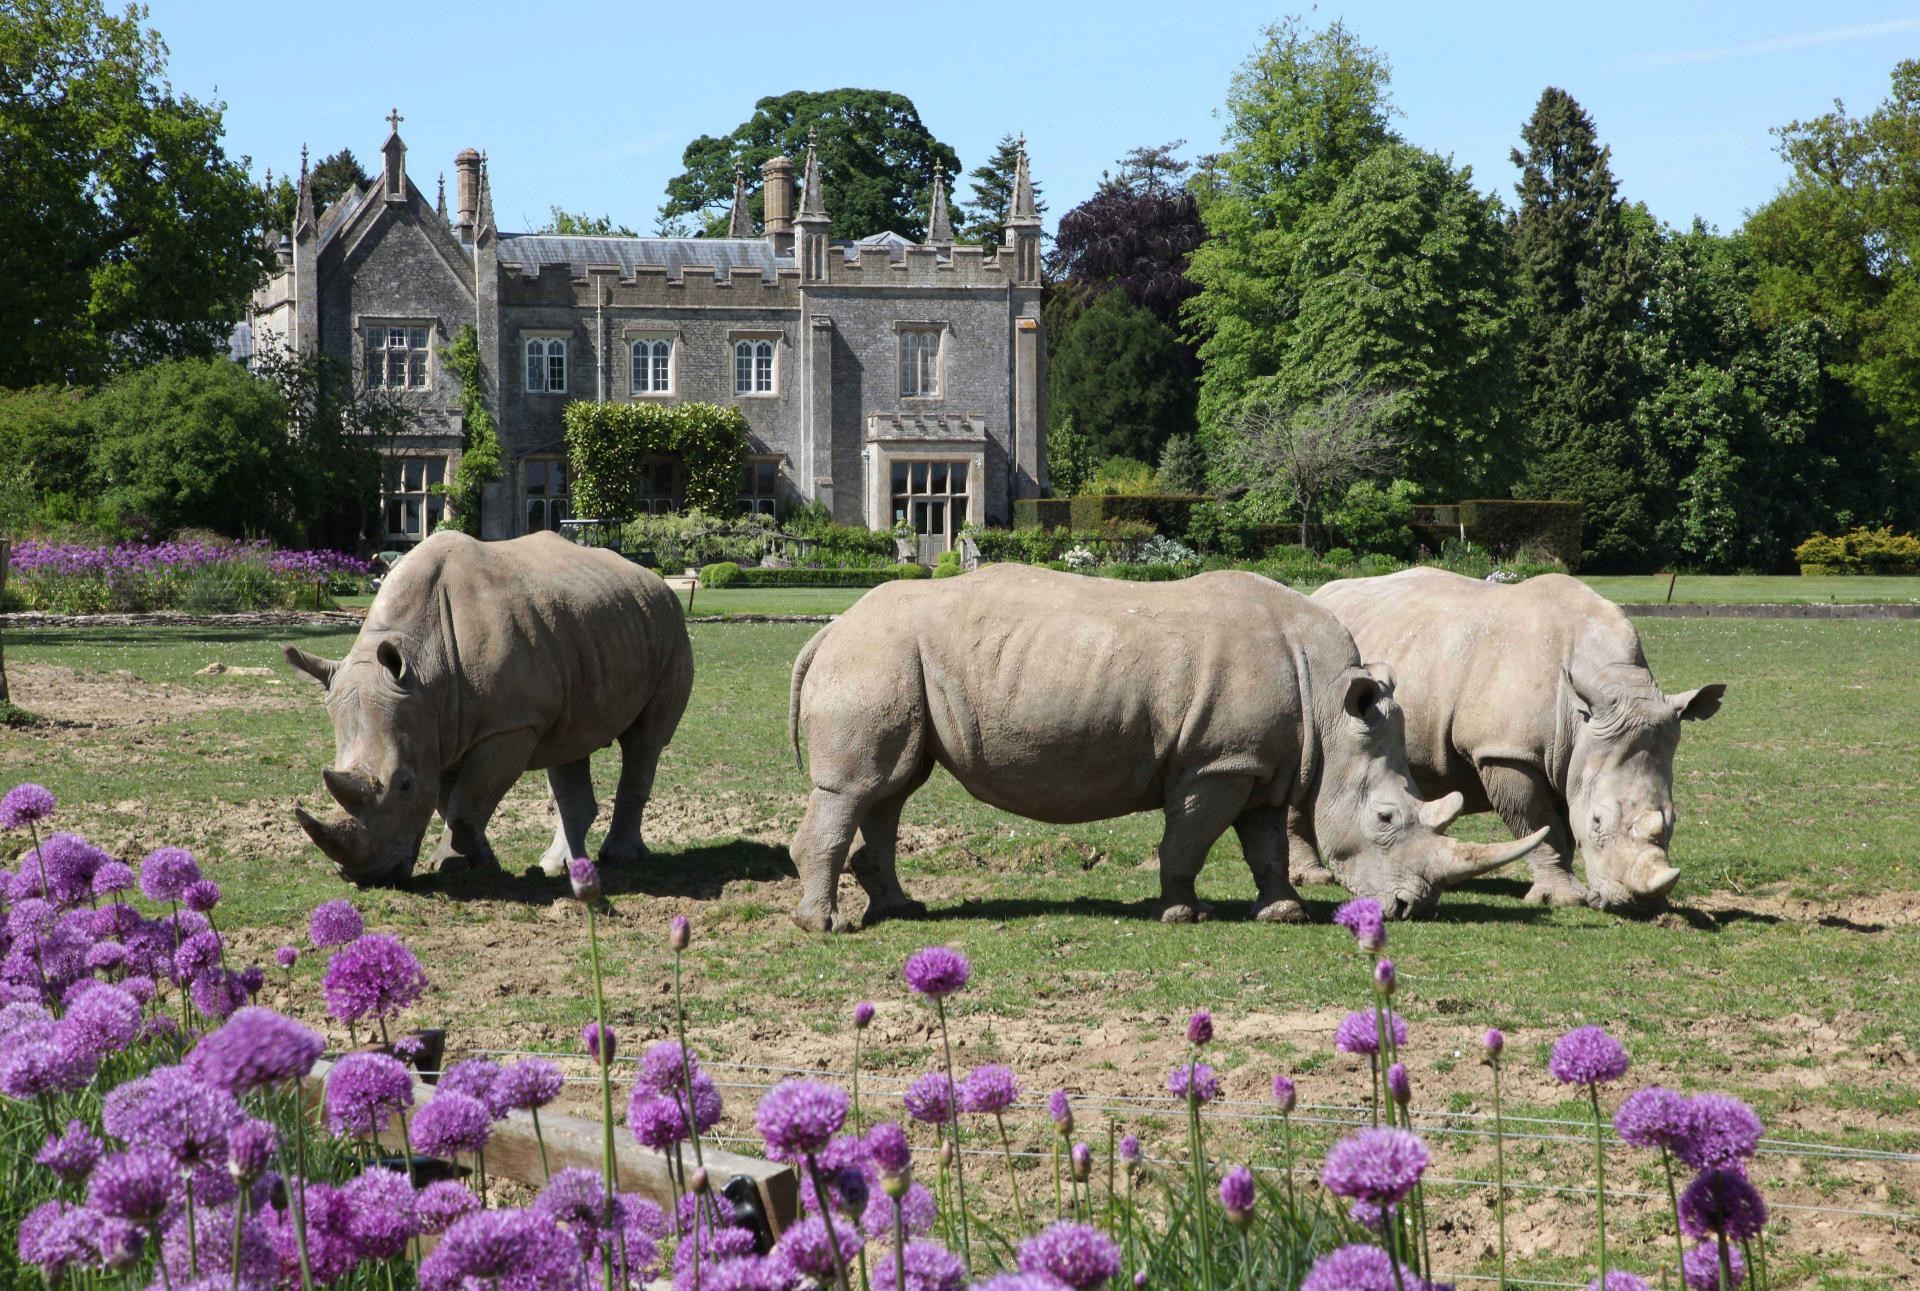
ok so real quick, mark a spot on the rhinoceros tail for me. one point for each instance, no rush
(800, 666)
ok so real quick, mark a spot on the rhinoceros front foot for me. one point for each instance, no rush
(633, 853)
(900, 908)
(1318, 874)
(1556, 889)
(448, 858)
(1285, 910)
(1186, 912)
(818, 918)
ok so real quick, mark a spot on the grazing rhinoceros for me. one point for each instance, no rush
(481, 661)
(1223, 700)
(1534, 700)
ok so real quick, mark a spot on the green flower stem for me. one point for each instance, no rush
(299, 1182)
(1286, 1139)
(1056, 1178)
(899, 1248)
(193, 1242)
(959, 1155)
(1673, 1199)
(1246, 1260)
(239, 1213)
(1600, 1176)
(546, 1171)
(1006, 1148)
(833, 1240)
(605, 1060)
(686, 1062)
(1196, 1153)
(857, 1129)
(1500, 1170)
(1726, 1263)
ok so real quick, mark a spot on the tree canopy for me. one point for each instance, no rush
(984, 216)
(581, 225)
(1119, 374)
(1136, 233)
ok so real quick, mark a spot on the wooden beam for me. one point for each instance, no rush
(514, 1153)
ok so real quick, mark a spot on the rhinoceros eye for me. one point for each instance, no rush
(1383, 814)
(404, 784)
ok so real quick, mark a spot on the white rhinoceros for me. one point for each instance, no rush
(1225, 700)
(479, 662)
(1534, 700)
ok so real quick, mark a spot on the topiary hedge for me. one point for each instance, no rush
(1505, 525)
(1042, 513)
(728, 574)
(1166, 512)
(1860, 551)
(610, 444)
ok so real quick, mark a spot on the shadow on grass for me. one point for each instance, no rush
(1453, 909)
(697, 873)
(168, 634)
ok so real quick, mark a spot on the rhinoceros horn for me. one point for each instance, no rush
(1651, 877)
(1440, 813)
(1458, 861)
(350, 789)
(331, 839)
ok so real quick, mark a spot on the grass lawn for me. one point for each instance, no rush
(1789, 972)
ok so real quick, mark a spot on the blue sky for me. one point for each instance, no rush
(588, 104)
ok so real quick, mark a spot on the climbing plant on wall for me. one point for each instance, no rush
(480, 451)
(609, 445)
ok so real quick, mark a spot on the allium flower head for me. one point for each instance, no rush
(862, 1015)
(1588, 1056)
(105, 1020)
(680, 933)
(287, 956)
(374, 977)
(1700, 1267)
(923, 1266)
(664, 1066)
(25, 804)
(1356, 1268)
(1720, 1131)
(196, 955)
(600, 1041)
(58, 1236)
(257, 1048)
(250, 1148)
(1237, 1194)
(1399, 1084)
(452, 1124)
(1359, 1033)
(442, 1202)
(334, 923)
(474, 1077)
(1200, 1085)
(1200, 1029)
(655, 1120)
(1060, 1110)
(1364, 919)
(1493, 1042)
(930, 1099)
(989, 1088)
(136, 1185)
(71, 1155)
(1652, 1118)
(505, 1248)
(1722, 1202)
(1378, 1166)
(800, 1116)
(1285, 1096)
(937, 972)
(218, 993)
(1079, 1255)
(1385, 978)
(1130, 1148)
(888, 1148)
(173, 1109)
(1081, 1159)
(583, 876)
(201, 896)
(1620, 1280)
(804, 1248)
(112, 878)
(526, 1085)
(364, 1091)
(165, 874)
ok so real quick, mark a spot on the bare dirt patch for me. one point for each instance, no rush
(98, 700)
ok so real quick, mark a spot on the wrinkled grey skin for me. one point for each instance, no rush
(1223, 701)
(479, 662)
(1534, 701)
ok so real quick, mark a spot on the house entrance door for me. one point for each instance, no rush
(932, 497)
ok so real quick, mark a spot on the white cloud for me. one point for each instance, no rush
(1779, 44)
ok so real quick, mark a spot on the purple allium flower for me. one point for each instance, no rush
(663, 1068)
(452, 1123)
(601, 1042)
(1700, 1267)
(383, 1213)
(1385, 978)
(576, 1199)
(937, 972)
(804, 1249)
(32, 1066)
(1620, 1280)
(1236, 1193)
(656, 1120)
(1722, 1201)
(888, 1148)
(1130, 1148)
(334, 923)
(1399, 1084)
(1204, 1087)
(1365, 920)
(506, 1248)
(1080, 1157)
(30, 917)
(25, 804)
(250, 1148)
(53, 1236)
(21, 1014)
(136, 1185)
(527, 1084)
(375, 976)
(1588, 1056)
(1200, 1028)
(474, 1077)
(218, 993)
(583, 876)
(918, 1213)
(927, 1266)
(70, 862)
(287, 956)
(257, 1048)
(71, 1155)
(715, 1212)
(105, 1020)
(679, 933)
(201, 896)
(1356, 1268)
(1285, 1096)
(441, 1203)
(106, 956)
(112, 878)
(862, 1015)
(989, 1088)
(364, 1090)
(1652, 1118)
(165, 874)
(1060, 1110)
(930, 1099)
(800, 1116)
(1369, 1216)
(1720, 1131)
(1079, 1255)
(1380, 1166)
(214, 1234)
(1359, 1033)
(252, 978)
(172, 1109)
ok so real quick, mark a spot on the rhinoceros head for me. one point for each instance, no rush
(1376, 833)
(386, 770)
(1620, 780)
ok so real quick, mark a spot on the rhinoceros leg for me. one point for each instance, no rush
(1303, 853)
(640, 748)
(1526, 802)
(1199, 810)
(490, 769)
(873, 861)
(572, 786)
(1264, 841)
(819, 848)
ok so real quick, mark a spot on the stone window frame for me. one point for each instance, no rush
(750, 500)
(939, 330)
(419, 357)
(775, 341)
(563, 498)
(431, 506)
(548, 337)
(634, 340)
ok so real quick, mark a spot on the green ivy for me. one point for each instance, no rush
(608, 445)
(480, 461)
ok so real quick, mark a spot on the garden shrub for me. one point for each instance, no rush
(723, 573)
(734, 576)
(1338, 557)
(1374, 519)
(201, 575)
(1507, 524)
(609, 446)
(948, 566)
(1166, 512)
(1122, 476)
(1860, 551)
(1042, 513)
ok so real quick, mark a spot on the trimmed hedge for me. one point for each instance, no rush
(728, 574)
(1167, 512)
(1506, 525)
(1042, 513)
(1860, 551)
(609, 446)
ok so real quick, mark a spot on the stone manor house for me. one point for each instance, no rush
(888, 380)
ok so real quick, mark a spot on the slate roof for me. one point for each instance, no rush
(529, 251)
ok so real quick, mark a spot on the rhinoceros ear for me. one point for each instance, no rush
(392, 660)
(321, 670)
(1362, 689)
(1697, 705)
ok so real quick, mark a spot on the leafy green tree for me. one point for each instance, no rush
(331, 178)
(984, 217)
(1136, 233)
(1402, 282)
(1120, 373)
(1183, 467)
(1583, 259)
(337, 432)
(572, 224)
(876, 159)
(126, 234)
(1071, 457)
(1309, 452)
(43, 435)
(1302, 112)
(1375, 519)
